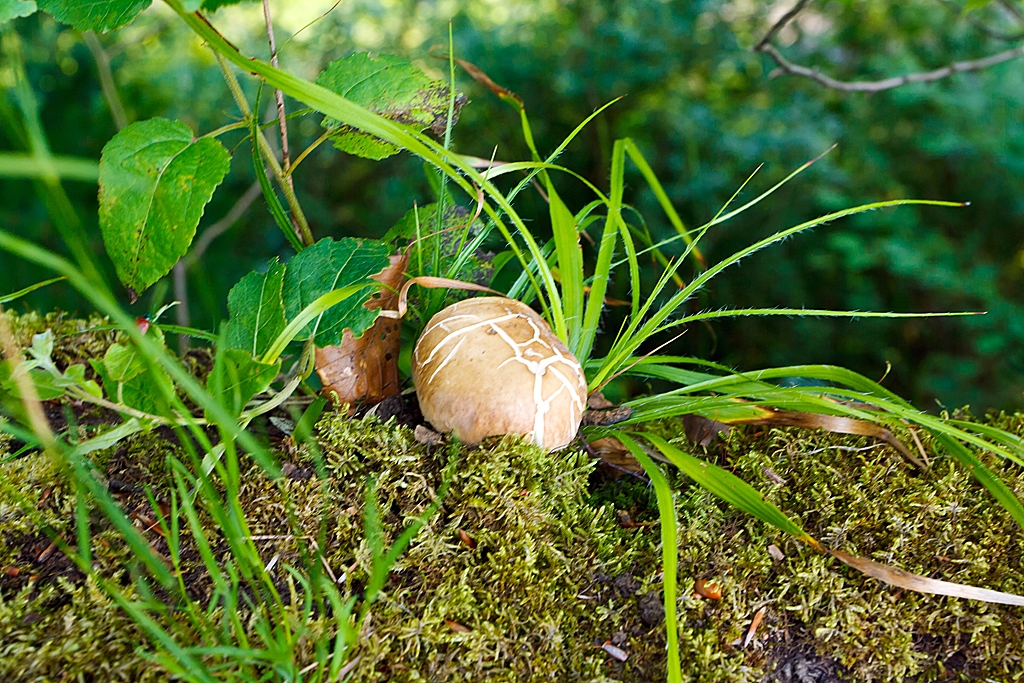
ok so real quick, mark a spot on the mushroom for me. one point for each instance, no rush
(490, 366)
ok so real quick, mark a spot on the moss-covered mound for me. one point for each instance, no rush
(544, 567)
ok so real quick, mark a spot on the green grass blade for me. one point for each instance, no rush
(7, 298)
(626, 344)
(659, 192)
(602, 270)
(1000, 491)
(570, 270)
(273, 203)
(14, 165)
(729, 488)
(313, 310)
(345, 111)
(669, 551)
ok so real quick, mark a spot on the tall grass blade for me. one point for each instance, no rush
(669, 551)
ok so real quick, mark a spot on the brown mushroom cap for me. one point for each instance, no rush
(490, 366)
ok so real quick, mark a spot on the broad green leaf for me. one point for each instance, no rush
(75, 376)
(324, 267)
(389, 86)
(237, 377)
(94, 15)
(256, 310)
(12, 9)
(127, 377)
(46, 387)
(155, 181)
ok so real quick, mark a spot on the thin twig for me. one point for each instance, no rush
(303, 231)
(777, 26)
(785, 66)
(181, 312)
(1017, 12)
(217, 229)
(789, 67)
(286, 162)
(99, 54)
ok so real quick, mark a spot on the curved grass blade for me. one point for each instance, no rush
(7, 298)
(273, 203)
(345, 111)
(636, 333)
(659, 193)
(738, 493)
(669, 550)
(317, 307)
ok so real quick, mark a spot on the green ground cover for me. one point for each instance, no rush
(553, 574)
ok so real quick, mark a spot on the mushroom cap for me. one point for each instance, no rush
(490, 366)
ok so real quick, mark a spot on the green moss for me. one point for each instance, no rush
(552, 574)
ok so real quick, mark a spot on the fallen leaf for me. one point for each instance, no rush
(904, 579)
(604, 418)
(701, 430)
(427, 436)
(754, 623)
(366, 368)
(611, 451)
(709, 589)
(831, 423)
(466, 539)
(457, 627)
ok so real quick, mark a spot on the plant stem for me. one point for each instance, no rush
(302, 230)
(106, 78)
(279, 96)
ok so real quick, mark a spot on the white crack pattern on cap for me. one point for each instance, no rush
(547, 360)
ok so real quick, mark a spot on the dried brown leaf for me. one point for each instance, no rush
(366, 368)
(904, 579)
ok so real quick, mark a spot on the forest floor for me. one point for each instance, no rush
(547, 566)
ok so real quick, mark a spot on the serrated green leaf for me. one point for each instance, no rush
(155, 181)
(12, 9)
(389, 86)
(237, 377)
(256, 310)
(324, 267)
(94, 15)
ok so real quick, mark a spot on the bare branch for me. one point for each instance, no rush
(1013, 9)
(786, 66)
(778, 25)
(217, 229)
(286, 162)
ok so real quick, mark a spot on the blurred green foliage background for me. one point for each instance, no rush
(700, 103)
